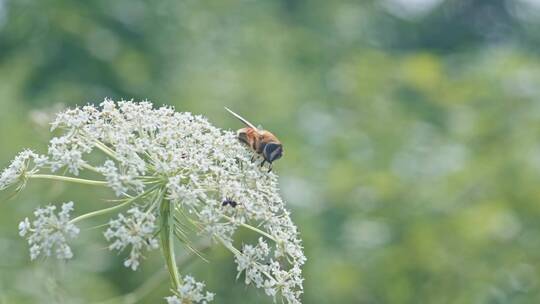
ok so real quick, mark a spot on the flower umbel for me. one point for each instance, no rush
(178, 169)
(190, 292)
(20, 166)
(50, 232)
(135, 230)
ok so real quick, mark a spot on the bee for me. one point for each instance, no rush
(262, 142)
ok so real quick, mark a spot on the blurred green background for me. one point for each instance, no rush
(411, 130)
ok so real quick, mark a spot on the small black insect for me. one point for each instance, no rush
(229, 202)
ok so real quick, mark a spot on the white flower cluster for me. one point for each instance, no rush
(19, 166)
(135, 230)
(204, 173)
(267, 273)
(120, 183)
(49, 232)
(191, 291)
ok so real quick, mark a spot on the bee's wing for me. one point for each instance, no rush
(242, 119)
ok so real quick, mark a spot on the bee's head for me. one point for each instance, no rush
(242, 136)
(272, 151)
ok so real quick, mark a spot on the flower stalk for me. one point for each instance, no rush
(113, 208)
(68, 179)
(167, 242)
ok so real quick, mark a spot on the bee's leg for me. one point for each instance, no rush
(270, 168)
(253, 158)
(262, 163)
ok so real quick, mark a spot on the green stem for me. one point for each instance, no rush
(91, 168)
(259, 231)
(111, 209)
(100, 212)
(228, 246)
(68, 179)
(253, 229)
(105, 149)
(167, 242)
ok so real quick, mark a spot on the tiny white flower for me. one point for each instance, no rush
(121, 182)
(50, 232)
(21, 165)
(191, 291)
(24, 227)
(173, 300)
(135, 230)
